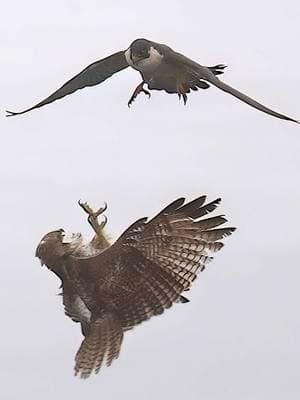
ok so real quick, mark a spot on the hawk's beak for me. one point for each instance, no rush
(69, 238)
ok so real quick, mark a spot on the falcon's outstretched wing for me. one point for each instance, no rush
(246, 99)
(193, 76)
(95, 73)
(143, 273)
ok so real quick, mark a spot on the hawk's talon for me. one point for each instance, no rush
(101, 210)
(86, 207)
(104, 222)
(93, 216)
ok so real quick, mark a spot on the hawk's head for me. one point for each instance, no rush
(56, 245)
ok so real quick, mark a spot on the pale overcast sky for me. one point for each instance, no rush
(238, 338)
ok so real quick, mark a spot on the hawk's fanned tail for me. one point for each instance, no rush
(103, 342)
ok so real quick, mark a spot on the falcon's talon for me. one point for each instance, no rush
(139, 89)
(131, 100)
(146, 92)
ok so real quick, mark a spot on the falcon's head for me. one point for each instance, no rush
(142, 54)
(56, 245)
(140, 49)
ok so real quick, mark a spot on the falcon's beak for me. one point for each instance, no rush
(136, 57)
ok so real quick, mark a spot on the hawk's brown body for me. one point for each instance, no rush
(143, 273)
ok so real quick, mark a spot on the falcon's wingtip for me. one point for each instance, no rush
(11, 113)
(291, 119)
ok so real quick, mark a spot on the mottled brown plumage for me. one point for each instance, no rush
(111, 289)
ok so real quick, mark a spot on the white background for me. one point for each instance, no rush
(238, 338)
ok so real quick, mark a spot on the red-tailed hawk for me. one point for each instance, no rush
(109, 289)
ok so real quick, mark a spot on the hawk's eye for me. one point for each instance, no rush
(69, 238)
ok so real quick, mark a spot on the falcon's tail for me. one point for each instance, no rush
(241, 96)
(218, 69)
(103, 341)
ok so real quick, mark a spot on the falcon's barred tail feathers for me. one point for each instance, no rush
(102, 343)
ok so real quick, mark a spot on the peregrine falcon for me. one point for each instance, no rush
(161, 68)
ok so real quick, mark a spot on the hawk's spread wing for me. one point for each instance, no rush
(94, 74)
(177, 240)
(145, 271)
